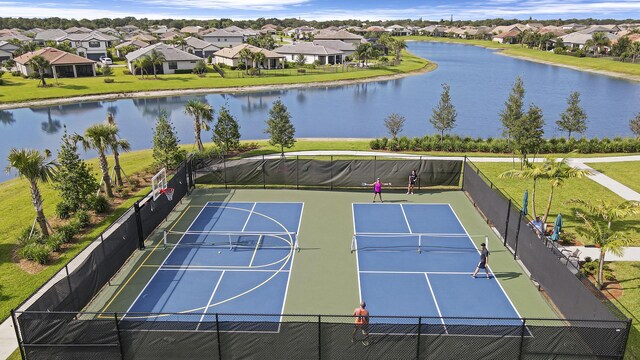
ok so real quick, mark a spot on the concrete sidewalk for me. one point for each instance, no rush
(630, 253)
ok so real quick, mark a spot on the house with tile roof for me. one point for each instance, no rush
(62, 64)
(224, 38)
(231, 56)
(91, 45)
(311, 53)
(135, 43)
(6, 50)
(347, 48)
(191, 30)
(508, 37)
(339, 35)
(175, 59)
(49, 35)
(199, 48)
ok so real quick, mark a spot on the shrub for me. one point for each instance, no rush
(374, 144)
(404, 143)
(127, 72)
(67, 232)
(63, 210)
(54, 242)
(1, 81)
(108, 81)
(24, 238)
(36, 252)
(302, 71)
(99, 204)
(253, 72)
(83, 218)
(182, 71)
(200, 69)
(242, 66)
(16, 73)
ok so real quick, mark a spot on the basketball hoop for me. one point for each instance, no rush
(168, 192)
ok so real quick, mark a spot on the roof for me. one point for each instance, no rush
(582, 37)
(191, 29)
(196, 43)
(306, 48)
(336, 44)
(233, 52)
(223, 33)
(18, 37)
(134, 42)
(337, 35)
(51, 34)
(508, 34)
(9, 46)
(75, 29)
(55, 57)
(143, 37)
(95, 35)
(270, 26)
(170, 53)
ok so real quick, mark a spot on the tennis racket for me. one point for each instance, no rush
(365, 184)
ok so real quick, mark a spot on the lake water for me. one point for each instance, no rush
(480, 82)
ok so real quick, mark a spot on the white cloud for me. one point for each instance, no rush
(245, 5)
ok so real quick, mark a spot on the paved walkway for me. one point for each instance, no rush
(8, 342)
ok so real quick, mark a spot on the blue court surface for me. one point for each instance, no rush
(417, 260)
(209, 271)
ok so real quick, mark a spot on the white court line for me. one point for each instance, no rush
(436, 303)
(353, 216)
(490, 268)
(163, 262)
(381, 234)
(209, 268)
(405, 219)
(255, 250)
(286, 289)
(249, 217)
(209, 302)
(416, 272)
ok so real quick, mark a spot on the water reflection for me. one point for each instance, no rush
(6, 117)
(51, 126)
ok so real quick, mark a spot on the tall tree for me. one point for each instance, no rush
(513, 108)
(226, 133)
(141, 63)
(607, 211)
(258, 58)
(156, 58)
(534, 171)
(634, 51)
(394, 124)
(116, 145)
(245, 55)
(40, 64)
(443, 117)
(279, 127)
(166, 151)
(557, 171)
(35, 167)
(73, 180)
(202, 114)
(573, 119)
(99, 137)
(597, 42)
(634, 125)
(527, 133)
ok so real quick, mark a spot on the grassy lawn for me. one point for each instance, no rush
(602, 64)
(624, 172)
(572, 189)
(628, 274)
(17, 89)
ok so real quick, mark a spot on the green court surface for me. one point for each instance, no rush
(324, 276)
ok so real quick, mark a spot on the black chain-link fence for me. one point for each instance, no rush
(325, 172)
(227, 336)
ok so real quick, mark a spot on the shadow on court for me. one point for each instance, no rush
(508, 275)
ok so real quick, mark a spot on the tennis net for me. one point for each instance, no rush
(232, 240)
(415, 242)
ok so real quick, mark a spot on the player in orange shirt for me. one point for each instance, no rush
(361, 323)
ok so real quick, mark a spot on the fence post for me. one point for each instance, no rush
(515, 251)
(419, 175)
(464, 166)
(115, 318)
(104, 252)
(375, 167)
(264, 179)
(319, 336)
(18, 337)
(136, 210)
(418, 341)
(297, 172)
(66, 270)
(331, 167)
(506, 225)
(218, 338)
(524, 328)
(224, 170)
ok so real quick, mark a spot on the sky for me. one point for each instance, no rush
(324, 9)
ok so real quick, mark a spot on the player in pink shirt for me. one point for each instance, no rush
(377, 189)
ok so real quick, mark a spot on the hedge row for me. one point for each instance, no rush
(456, 143)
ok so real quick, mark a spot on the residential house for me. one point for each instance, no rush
(170, 36)
(301, 32)
(159, 30)
(375, 29)
(135, 43)
(191, 30)
(175, 59)
(269, 29)
(339, 35)
(223, 38)
(247, 33)
(433, 30)
(199, 48)
(231, 56)
(508, 37)
(573, 27)
(555, 30)
(397, 30)
(76, 30)
(62, 64)
(311, 53)
(347, 48)
(129, 29)
(109, 31)
(143, 37)
(577, 40)
(534, 26)
(6, 50)
(49, 35)
(91, 45)
(13, 35)
(613, 29)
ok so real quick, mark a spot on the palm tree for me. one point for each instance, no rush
(117, 145)
(598, 39)
(156, 58)
(398, 46)
(179, 42)
(258, 59)
(609, 212)
(634, 51)
(533, 171)
(141, 64)
(99, 137)
(245, 54)
(605, 238)
(557, 171)
(366, 51)
(33, 165)
(202, 114)
(25, 47)
(40, 64)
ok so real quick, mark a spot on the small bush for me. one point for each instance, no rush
(127, 72)
(54, 242)
(36, 252)
(1, 82)
(108, 81)
(83, 218)
(253, 72)
(99, 204)
(67, 232)
(182, 71)
(24, 238)
(16, 73)
(63, 210)
(302, 71)
(374, 144)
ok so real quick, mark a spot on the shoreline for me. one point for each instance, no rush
(430, 66)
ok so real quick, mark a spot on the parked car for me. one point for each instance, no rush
(105, 60)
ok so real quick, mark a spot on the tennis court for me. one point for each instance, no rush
(417, 260)
(234, 258)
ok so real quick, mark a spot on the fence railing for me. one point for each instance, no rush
(259, 336)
